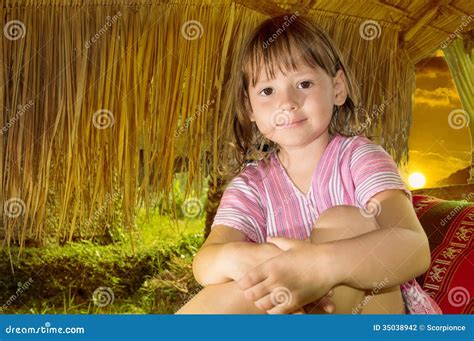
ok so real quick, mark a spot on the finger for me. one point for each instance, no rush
(326, 304)
(258, 291)
(269, 302)
(281, 309)
(283, 301)
(252, 278)
(265, 303)
(299, 312)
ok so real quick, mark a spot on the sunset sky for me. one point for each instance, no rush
(436, 149)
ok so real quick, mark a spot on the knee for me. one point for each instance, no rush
(340, 222)
(345, 216)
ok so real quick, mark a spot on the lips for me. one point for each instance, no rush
(293, 123)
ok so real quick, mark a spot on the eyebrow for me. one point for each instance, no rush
(298, 73)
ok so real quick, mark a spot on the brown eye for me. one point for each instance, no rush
(305, 84)
(267, 91)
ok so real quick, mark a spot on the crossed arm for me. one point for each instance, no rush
(397, 251)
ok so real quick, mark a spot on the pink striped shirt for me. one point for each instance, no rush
(263, 201)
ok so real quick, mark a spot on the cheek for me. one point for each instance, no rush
(321, 103)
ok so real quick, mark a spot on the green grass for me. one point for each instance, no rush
(152, 276)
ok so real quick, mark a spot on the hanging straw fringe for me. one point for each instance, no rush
(101, 102)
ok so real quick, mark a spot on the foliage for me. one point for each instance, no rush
(63, 279)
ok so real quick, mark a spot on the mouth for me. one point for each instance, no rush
(293, 124)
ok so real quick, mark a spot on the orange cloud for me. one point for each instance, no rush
(440, 97)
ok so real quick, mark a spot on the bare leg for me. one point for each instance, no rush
(224, 298)
(342, 222)
(336, 223)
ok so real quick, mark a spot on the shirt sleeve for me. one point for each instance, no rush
(373, 170)
(241, 208)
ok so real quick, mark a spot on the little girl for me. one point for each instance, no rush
(312, 211)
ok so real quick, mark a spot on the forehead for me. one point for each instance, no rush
(263, 64)
(263, 75)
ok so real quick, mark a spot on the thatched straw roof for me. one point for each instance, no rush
(422, 26)
(102, 99)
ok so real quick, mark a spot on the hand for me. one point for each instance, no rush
(254, 255)
(323, 303)
(290, 280)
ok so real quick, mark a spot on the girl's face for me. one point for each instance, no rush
(295, 108)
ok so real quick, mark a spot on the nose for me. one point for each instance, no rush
(288, 100)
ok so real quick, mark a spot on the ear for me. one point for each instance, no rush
(340, 88)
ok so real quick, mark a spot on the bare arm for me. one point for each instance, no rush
(226, 256)
(397, 252)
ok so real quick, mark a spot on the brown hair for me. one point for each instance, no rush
(273, 44)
